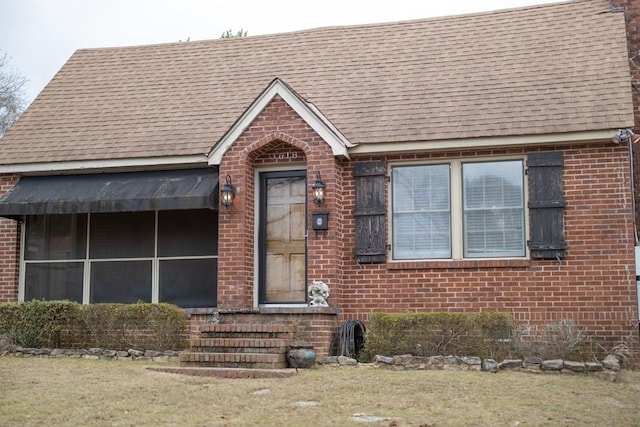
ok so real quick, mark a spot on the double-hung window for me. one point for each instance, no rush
(458, 209)
(421, 212)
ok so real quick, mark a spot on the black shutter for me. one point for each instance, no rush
(546, 205)
(370, 212)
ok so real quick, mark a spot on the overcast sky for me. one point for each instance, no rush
(39, 36)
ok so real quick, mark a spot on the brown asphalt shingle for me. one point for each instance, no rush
(536, 70)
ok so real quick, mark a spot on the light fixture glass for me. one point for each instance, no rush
(318, 190)
(228, 193)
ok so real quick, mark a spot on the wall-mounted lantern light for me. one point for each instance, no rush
(318, 190)
(228, 193)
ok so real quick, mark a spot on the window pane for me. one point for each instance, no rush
(54, 281)
(188, 233)
(50, 237)
(121, 281)
(189, 283)
(493, 199)
(421, 212)
(122, 235)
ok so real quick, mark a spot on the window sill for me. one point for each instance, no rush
(458, 264)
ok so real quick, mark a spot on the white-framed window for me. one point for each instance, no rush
(421, 211)
(161, 256)
(458, 209)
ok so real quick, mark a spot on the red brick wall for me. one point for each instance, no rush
(594, 286)
(9, 248)
(277, 129)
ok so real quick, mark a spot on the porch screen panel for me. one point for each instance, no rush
(187, 252)
(56, 237)
(124, 282)
(122, 235)
(189, 282)
(421, 212)
(50, 239)
(120, 252)
(187, 233)
(54, 281)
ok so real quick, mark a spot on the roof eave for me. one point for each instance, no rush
(582, 137)
(112, 165)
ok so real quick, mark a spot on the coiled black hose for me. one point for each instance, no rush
(349, 340)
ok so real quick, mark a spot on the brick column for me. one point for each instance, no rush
(9, 248)
(277, 129)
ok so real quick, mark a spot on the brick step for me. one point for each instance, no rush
(233, 360)
(227, 372)
(253, 335)
(239, 345)
(246, 328)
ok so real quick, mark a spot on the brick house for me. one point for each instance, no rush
(468, 163)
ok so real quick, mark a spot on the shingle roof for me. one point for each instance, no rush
(535, 70)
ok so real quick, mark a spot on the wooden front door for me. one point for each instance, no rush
(282, 237)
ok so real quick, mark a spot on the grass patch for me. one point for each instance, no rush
(40, 391)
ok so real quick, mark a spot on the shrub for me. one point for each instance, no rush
(555, 340)
(115, 326)
(38, 323)
(142, 325)
(484, 334)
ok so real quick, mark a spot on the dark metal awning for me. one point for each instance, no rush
(112, 192)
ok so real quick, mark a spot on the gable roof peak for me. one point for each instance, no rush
(307, 111)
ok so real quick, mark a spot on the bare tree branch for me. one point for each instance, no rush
(12, 98)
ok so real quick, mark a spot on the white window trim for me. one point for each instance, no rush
(455, 169)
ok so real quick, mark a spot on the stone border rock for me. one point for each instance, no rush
(607, 370)
(96, 354)
(336, 361)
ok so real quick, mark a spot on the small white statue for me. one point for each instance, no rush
(318, 293)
